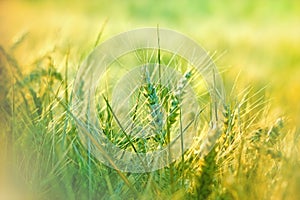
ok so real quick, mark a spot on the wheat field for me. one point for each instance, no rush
(255, 46)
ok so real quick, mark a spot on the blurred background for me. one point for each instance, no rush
(258, 39)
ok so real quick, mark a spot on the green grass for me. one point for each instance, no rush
(45, 158)
(256, 156)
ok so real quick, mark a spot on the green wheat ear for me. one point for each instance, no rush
(154, 105)
(176, 98)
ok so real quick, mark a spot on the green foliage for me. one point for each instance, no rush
(205, 182)
(253, 158)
